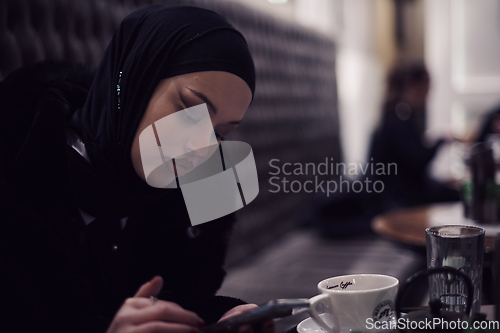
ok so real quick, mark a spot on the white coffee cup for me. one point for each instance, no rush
(355, 301)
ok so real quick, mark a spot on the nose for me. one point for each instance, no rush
(201, 144)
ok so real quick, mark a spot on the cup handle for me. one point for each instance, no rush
(314, 302)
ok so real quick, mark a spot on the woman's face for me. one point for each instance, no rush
(227, 98)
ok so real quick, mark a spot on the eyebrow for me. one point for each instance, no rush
(204, 99)
(210, 104)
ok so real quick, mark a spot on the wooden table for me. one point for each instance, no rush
(407, 226)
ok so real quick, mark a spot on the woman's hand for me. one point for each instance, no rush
(140, 314)
(265, 327)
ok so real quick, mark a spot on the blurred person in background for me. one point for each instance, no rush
(400, 139)
(490, 125)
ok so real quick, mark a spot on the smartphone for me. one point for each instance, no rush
(278, 308)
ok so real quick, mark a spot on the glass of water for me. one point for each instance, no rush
(460, 247)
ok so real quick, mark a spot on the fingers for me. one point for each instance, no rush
(156, 285)
(161, 310)
(263, 327)
(165, 311)
(161, 327)
(238, 310)
(139, 315)
(138, 302)
(151, 288)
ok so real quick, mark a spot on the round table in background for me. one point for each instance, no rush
(407, 226)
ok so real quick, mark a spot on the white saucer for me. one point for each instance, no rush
(309, 326)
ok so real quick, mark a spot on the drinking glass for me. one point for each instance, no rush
(460, 247)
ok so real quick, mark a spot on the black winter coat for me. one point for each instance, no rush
(56, 275)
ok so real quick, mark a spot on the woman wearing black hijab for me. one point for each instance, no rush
(81, 229)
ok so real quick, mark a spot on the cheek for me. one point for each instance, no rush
(178, 136)
(171, 138)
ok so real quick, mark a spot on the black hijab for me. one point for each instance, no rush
(151, 44)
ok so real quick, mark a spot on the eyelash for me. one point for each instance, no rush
(217, 135)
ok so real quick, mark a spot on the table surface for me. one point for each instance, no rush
(407, 226)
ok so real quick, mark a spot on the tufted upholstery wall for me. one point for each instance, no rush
(292, 118)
